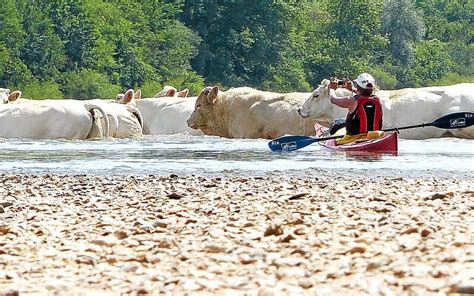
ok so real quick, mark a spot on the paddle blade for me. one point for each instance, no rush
(291, 143)
(455, 120)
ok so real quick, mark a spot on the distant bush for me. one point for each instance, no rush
(384, 79)
(41, 90)
(187, 79)
(287, 77)
(452, 78)
(150, 88)
(88, 84)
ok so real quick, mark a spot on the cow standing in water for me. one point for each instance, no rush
(122, 121)
(166, 113)
(245, 112)
(47, 121)
(403, 107)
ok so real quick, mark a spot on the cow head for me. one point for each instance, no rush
(169, 91)
(203, 109)
(317, 105)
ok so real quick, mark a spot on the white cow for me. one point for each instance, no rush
(124, 121)
(47, 121)
(165, 115)
(402, 107)
(129, 118)
(460, 98)
(245, 112)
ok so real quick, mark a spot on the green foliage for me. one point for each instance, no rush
(289, 76)
(42, 90)
(76, 31)
(432, 61)
(385, 80)
(345, 40)
(242, 39)
(11, 30)
(190, 80)
(150, 88)
(43, 50)
(13, 72)
(452, 78)
(448, 20)
(87, 85)
(404, 26)
(95, 48)
(171, 50)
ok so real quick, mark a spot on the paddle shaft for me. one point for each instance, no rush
(406, 127)
(450, 121)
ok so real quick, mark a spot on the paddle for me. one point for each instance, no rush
(453, 120)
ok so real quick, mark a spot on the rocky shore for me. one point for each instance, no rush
(276, 235)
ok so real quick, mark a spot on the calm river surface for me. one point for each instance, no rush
(213, 156)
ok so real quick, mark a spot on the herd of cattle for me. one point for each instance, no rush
(241, 112)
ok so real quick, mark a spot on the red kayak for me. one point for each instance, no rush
(387, 143)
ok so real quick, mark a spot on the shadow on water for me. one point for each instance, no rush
(210, 155)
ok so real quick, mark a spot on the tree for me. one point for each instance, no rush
(88, 84)
(432, 61)
(76, 31)
(13, 71)
(345, 39)
(43, 50)
(280, 45)
(242, 39)
(451, 23)
(404, 25)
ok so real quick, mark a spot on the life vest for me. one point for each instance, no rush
(366, 117)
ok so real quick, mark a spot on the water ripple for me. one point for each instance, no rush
(185, 155)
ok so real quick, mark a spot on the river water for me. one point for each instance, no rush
(213, 156)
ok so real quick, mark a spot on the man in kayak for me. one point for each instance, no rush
(364, 108)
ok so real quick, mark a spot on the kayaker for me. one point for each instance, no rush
(364, 107)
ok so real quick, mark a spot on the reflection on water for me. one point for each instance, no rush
(184, 155)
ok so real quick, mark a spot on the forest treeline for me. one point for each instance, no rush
(97, 48)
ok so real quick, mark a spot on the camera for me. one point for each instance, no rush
(340, 81)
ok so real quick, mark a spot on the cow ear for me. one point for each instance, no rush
(128, 96)
(170, 92)
(213, 95)
(138, 95)
(184, 93)
(14, 96)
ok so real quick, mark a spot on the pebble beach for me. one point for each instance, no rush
(318, 234)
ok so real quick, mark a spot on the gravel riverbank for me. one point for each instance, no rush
(320, 234)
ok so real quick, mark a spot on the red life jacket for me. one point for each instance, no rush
(366, 117)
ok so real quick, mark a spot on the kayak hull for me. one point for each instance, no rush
(388, 143)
